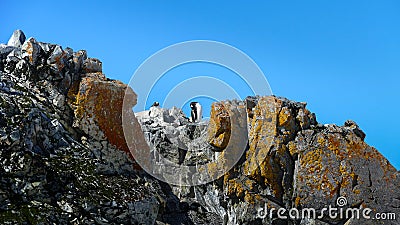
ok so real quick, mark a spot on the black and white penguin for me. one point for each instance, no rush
(155, 104)
(196, 112)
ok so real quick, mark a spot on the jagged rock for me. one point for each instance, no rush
(57, 59)
(355, 128)
(219, 127)
(92, 65)
(17, 39)
(169, 132)
(268, 159)
(46, 47)
(79, 59)
(31, 50)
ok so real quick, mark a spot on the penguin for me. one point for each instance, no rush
(155, 104)
(196, 112)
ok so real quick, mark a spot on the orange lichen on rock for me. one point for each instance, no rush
(262, 133)
(219, 128)
(102, 101)
(260, 165)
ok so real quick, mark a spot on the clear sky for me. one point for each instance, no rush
(342, 57)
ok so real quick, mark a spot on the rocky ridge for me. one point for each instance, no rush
(64, 158)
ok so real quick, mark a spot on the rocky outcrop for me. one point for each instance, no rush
(294, 162)
(63, 160)
(67, 157)
(291, 161)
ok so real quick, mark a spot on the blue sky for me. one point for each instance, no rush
(342, 57)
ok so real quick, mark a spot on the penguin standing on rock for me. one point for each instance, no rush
(196, 112)
(152, 108)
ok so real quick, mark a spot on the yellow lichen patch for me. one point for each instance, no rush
(312, 160)
(285, 116)
(335, 146)
(346, 175)
(271, 174)
(212, 168)
(293, 148)
(242, 189)
(297, 201)
(250, 184)
(318, 176)
(262, 133)
(359, 149)
(235, 188)
(252, 198)
(260, 165)
(321, 141)
(81, 98)
(73, 94)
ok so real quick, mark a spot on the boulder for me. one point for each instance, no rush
(99, 110)
(219, 128)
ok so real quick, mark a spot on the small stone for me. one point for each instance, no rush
(36, 184)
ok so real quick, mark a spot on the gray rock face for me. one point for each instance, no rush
(16, 39)
(169, 132)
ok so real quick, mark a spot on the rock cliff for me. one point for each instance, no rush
(64, 157)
